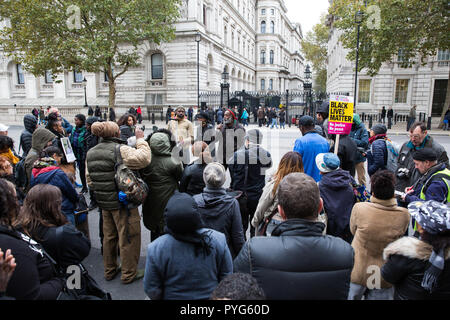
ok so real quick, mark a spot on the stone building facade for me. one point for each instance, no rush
(394, 85)
(235, 35)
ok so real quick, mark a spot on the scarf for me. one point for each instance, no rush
(11, 157)
(413, 147)
(376, 137)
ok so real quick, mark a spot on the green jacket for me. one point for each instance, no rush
(162, 177)
(101, 161)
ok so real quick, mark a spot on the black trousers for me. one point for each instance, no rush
(81, 163)
(248, 208)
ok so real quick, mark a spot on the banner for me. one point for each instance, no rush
(340, 117)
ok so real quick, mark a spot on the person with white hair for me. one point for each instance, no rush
(220, 211)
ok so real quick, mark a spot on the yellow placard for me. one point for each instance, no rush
(341, 112)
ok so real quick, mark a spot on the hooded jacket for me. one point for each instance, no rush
(56, 177)
(377, 156)
(220, 212)
(360, 135)
(321, 270)
(29, 122)
(338, 200)
(406, 262)
(192, 179)
(41, 137)
(162, 176)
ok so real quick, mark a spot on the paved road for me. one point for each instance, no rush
(278, 142)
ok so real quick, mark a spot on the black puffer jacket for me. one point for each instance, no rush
(298, 263)
(192, 179)
(220, 212)
(407, 259)
(29, 122)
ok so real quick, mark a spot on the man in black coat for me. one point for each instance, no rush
(347, 151)
(323, 265)
(247, 171)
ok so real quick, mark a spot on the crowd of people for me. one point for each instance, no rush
(312, 230)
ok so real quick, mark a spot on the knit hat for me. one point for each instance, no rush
(3, 127)
(327, 162)
(356, 119)
(425, 154)
(379, 129)
(214, 175)
(232, 114)
(106, 129)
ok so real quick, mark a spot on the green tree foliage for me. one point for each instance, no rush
(315, 47)
(84, 35)
(417, 28)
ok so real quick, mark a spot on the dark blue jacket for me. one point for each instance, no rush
(56, 177)
(377, 156)
(338, 200)
(437, 189)
(360, 135)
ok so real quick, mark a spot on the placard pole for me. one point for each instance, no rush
(336, 144)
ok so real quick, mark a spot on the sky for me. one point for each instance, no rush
(306, 12)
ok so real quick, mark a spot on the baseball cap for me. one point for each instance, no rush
(306, 121)
(3, 127)
(327, 162)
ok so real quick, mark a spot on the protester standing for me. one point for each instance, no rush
(31, 124)
(383, 115)
(188, 261)
(230, 136)
(310, 145)
(377, 153)
(419, 269)
(192, 180)
(360, 135)
(183, 132)
(127, 125)
(337, 194)
(121, 223)
(162, 176)
(271, 260)
(390, 115)
(78, 142)
(375, 224)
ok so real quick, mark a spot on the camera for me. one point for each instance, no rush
(142, 128)
(403, 173)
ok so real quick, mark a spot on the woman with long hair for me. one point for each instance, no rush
(268, 203)
(34, 277)
(41, 219)
(127, 125)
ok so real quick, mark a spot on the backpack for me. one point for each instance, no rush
(393, 150)
(129, 182)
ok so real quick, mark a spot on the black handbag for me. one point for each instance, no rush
(262, 227)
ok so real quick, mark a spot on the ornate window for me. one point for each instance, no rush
(272, 27)
(20, 75)
(263, 57)
(77, 76)
(263, 26)
(157, 66)
(271, 56)
(263, 84)
(48, 77)
(401, 90)
(364, 91)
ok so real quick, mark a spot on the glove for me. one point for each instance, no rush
(123, 198)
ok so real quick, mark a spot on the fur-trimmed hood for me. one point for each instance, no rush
(411, 247)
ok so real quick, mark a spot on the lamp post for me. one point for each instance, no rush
(358, 20)
(85, 96)
(224, 87)
(307, 85)
(198, 38)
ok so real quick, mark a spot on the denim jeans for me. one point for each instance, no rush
(282, 125)
(274, 123)
(357, 292)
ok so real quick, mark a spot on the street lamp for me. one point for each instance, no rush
(85, 96)
(307, 85)
(358, 20)
(224, 87)
(198, 38)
